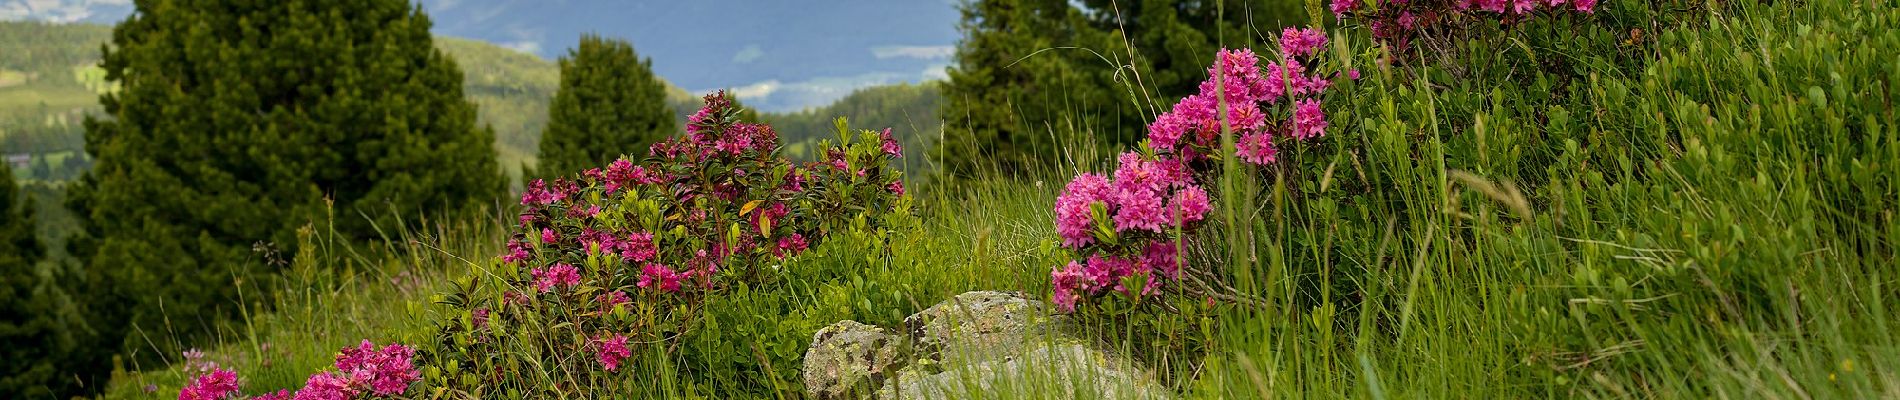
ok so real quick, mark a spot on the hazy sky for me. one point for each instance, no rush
(778, 54)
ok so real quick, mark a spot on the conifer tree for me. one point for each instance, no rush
(237, 123)
(29, 324)
(610, 103)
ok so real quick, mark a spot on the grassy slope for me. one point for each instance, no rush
(1725, 229)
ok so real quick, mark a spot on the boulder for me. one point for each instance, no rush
(982, 344)
(848, 359)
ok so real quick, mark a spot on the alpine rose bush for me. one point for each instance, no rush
(1127, 230)
(617, 261)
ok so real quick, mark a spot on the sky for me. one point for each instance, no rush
(777, 55)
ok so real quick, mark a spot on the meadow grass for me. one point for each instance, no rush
(1717, 224)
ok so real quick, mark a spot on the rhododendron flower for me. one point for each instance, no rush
(1341, 7)
(1107, 273)
(891, 148)
(610, 351)
(1301, 42)
(480, 317)
(517, 252)
(1309, 121)
(1067, 283)
(1586, 6)
(656, 276)
(325, 386)
(559, 275)
(1189, 205)
(790, 245)
(638, 247)
(1139, 210)
(896, 187)
(218, 384)
(384, 372)
(548, 236)
(1074, 220)
(281, 394)
(1159, 257)
(614, 298)
(1257, 148)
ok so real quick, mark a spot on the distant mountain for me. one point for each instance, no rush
(44, 93)
(780, 55)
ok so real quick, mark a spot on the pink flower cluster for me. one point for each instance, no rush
(611, 350)
(1128, 223)
(365, 369)
(1105, 273)
(1131, 226)
(1398, 22)
(559, 275)
(216, 385)
(1280, 99)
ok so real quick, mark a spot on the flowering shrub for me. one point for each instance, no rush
(362, 372)
(1399, 22)
(1128, 231)
(617, 261)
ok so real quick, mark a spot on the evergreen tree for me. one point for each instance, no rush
(30, 323)
(238, 122)
(1034, 76)
(609, 104)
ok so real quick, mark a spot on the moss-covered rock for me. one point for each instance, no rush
(849, 358)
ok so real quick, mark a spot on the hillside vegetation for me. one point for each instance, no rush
(1566, 199)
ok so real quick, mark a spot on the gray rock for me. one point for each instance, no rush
(975, 345)
(1050, 370)
(977, 326)
(848, 359)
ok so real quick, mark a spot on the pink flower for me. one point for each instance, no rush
(1139, 210)
(638, 247)
(1257, 148)
(217, 385)
(1189, 205)
(1067, 283)
(1106, 273)
(896, 188)
(1341, 7)
(610, 351)
(280, 395)
(559, 275)
(790, 245)
(891, 148)
(614, 298)
(548, 236)
(517, 252)
(1074, 219)
(1309, 121)
(325, 386)
(1353, 74)
(384, 372)
(479, 317)
(1301, 42)
(1159, 257)
(1524, 6)
(656, 276)
(1586, 6)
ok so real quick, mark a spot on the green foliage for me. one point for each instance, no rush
(1028, 73)
(610, 103)
(239, 121)
(31, 325)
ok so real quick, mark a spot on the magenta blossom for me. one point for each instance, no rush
(1074, 220)
(1301, 42)
(656, 276)
(891, 148)
(1309, 121)
(610, 351)
(559, 275)
(1257, 148)
(638, 247)
(325, 386)
(383, 372)
(217, 385)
